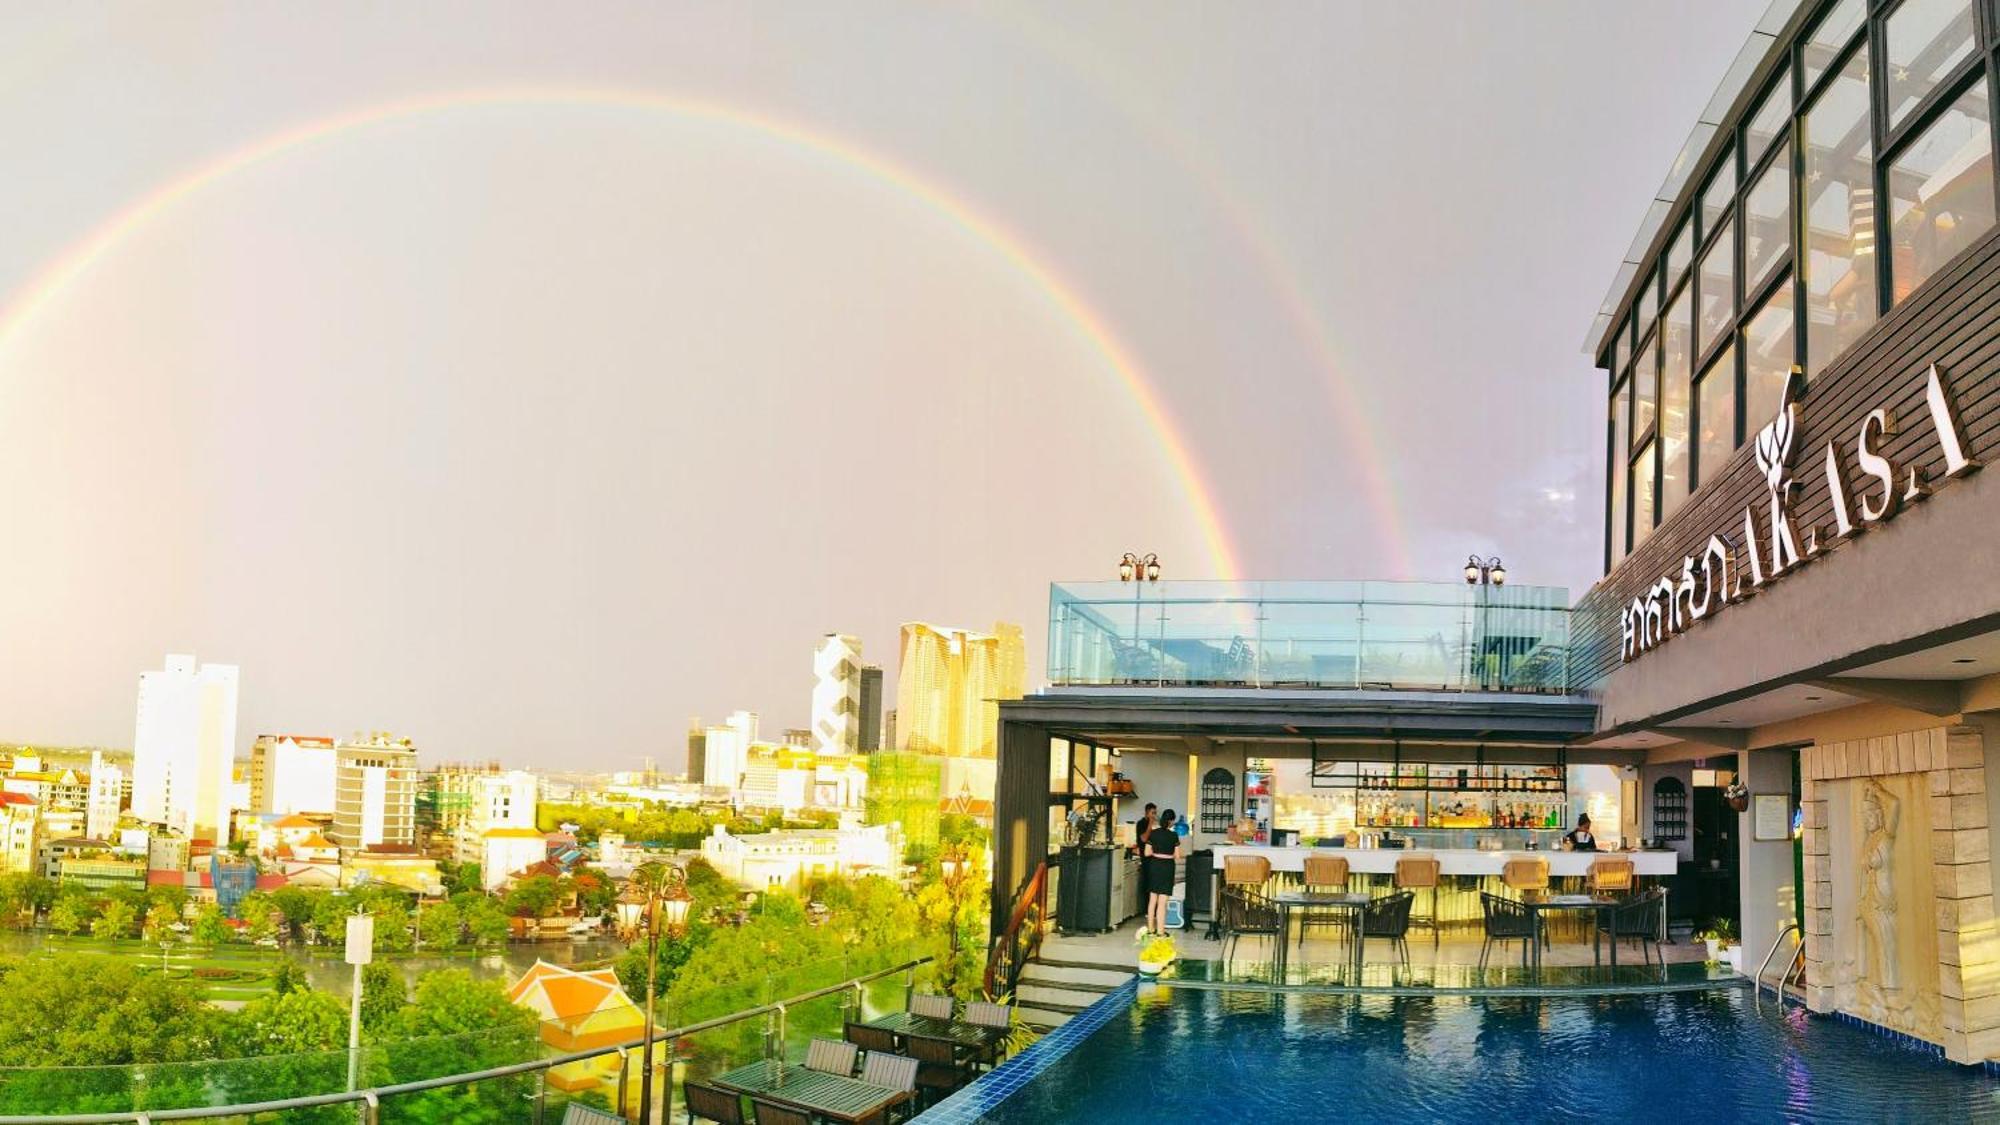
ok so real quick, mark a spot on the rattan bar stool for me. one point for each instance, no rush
(1524, 875)
(1323, 873)
(1418, 872)
(1611, 875)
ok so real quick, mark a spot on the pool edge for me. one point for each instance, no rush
(975, 1101)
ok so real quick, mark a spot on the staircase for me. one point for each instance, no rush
(1050, 992)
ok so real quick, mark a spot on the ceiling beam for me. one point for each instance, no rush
(1932, 697)
(1722, 738)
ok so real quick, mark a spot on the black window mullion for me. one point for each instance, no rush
(1878, 127)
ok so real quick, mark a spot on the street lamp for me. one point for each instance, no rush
(954, 865)
(656, 897)
(1484, 572)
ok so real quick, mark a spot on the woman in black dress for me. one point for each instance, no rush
(1161, 846)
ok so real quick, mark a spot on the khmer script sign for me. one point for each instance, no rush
(1728, 571)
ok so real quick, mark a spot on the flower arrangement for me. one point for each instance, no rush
(1155, 953)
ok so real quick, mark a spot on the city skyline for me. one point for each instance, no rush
(325, 370)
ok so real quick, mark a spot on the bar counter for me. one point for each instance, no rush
(1451, 861)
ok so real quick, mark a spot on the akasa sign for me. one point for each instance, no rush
(1725, 572)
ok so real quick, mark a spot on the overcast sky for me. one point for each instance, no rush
(527, 379)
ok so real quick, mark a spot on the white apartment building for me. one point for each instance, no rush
(291, 773)
(790, 779)
(375, 792)
(20, 819)
(728, 751)
(106, 796)
(496, 800)
(503, 851)
(184, 748)
(836, 695)
(782, 859)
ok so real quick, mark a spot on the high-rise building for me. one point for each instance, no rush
(868, 738)
(185, 746)
(836, 697)
(728, 750)
(697, 759)
(291, 773)
(889, 729)
(499, 800)
(375, 792)
(949, 685)
(105, 799)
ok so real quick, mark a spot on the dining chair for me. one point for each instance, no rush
(1505, 920)
(1245, 911)
(1388, 917)
(711, 1103)
(771, 1113)
(1323, 873)
(993, 1017)
(1610, 875)
(831, 1056)
(871, 1039)
(930, 1005)
(1639, 920)
(939, 1070)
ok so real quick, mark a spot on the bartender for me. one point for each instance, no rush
(1580, 838)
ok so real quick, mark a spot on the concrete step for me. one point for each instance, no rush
(1079, 972)
(1042, 994)
(1045, 1017)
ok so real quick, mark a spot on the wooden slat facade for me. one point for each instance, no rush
(1953, 320)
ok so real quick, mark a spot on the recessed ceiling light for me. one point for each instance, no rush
(1965, 660)
(1813, 698)
(1725, 721)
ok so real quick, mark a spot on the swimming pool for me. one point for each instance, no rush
(1202, 1056)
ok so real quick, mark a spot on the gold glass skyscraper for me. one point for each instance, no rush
(949, 685)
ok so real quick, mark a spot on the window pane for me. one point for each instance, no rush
(1717, 437)
(1677, 336)
(1926, 40)
(1620, 466)
(1767, 220)
(1768, 355)
(1941, 191)
(1621, 350)
(1642, 495)
(1645, 386)
(1718, 289)
(1840, 217)
(1767, 123)
(1715, 197)
(1834, 32)
(1679, 253)
(1649, 302)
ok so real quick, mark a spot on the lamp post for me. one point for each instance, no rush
(1138, 570)
(1482, 573)
(954, 866)
(655, 895)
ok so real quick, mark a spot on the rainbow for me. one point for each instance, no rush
(1267, 254)
(54, 280)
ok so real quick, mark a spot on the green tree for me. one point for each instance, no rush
(392, 924)
(594, 892)
(533, 897)
(69, 915)
(456, 1023)
(175, 899)
(459, 877)
(115, 920)
(440, 926)
(160, 921)
(485, 921)
(289, 976)
(299, 907)
(100, 1011)
(383, 995)
(674, 953)
(260, 915)
(302, 1038)
(209, 928)
(23, 894)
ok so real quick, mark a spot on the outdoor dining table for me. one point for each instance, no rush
(968, 1035)
(1539, 904)
(1288, 901)
(828, 1095)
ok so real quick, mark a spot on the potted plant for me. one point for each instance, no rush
(1732, 951)
(1738, 795)
(1155, 953)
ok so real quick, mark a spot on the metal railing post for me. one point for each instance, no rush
(541, 1094)
(624, 1070)
(371, 1108)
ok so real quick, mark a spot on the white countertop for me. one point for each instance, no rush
(1451, 861)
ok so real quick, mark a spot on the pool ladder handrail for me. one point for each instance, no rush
(1757, 979)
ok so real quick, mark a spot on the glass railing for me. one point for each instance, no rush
(1412, 636)
(487, 1076)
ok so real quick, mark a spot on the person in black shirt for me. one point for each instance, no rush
(1161, 846)
(1143, 827)
(1580, 838)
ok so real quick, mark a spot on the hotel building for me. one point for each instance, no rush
(1787, 679)
(184, 748)
(375, 793)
